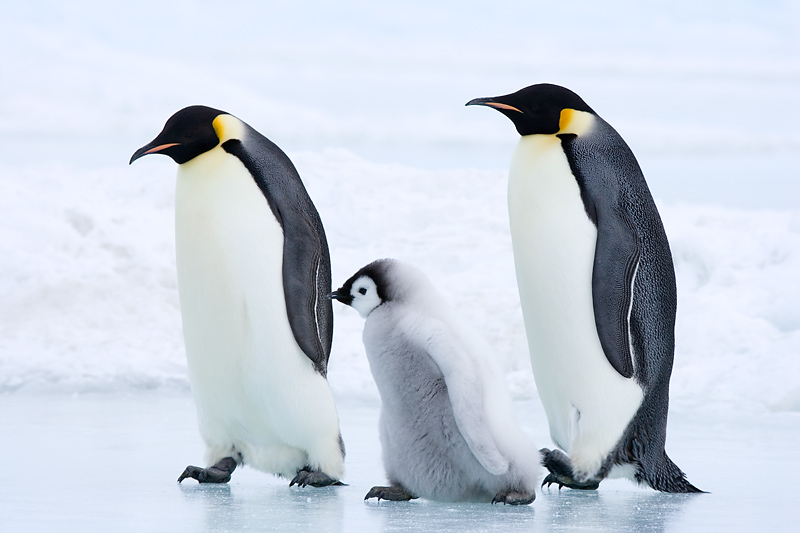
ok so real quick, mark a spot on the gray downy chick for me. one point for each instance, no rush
(446, 428)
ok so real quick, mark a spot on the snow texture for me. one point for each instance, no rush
(90, 294)
(368, 101)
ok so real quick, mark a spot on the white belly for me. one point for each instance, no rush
(255, 390)
(588, 403)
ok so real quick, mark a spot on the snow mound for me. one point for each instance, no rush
(89, 295)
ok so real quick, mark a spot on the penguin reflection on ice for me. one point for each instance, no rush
(597, 288)
(446, 428)
(253, 276)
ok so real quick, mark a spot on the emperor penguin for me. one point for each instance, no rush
(446, 428)
(253, 276)
(597, 288)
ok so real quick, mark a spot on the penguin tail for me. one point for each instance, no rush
(667, 477)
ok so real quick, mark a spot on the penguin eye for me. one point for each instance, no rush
(362, 290)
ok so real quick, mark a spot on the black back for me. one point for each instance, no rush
(306, 259)
(630, 239)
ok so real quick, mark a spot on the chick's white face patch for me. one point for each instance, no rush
(365, 296)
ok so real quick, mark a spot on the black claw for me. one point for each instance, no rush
(514, 497)
(192, 472)
(395, 493)
(500, 497)
(561, 472)
(315, 478)
(374, 492)
(219, 473)
(550, 479)
(562, 481)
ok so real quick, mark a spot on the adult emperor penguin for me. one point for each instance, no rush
(597, 288)
(253, 276)
(446, 428)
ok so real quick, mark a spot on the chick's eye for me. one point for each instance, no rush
(362, 290)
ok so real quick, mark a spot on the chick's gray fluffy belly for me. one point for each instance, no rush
(422, 447)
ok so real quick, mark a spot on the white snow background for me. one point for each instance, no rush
(368, 101)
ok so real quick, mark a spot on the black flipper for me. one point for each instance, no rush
(306, 259)
(306, 284)
(616, 259)
(617, 250)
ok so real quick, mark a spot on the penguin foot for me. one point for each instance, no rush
(560, 467)
(513, 497)
(219, 473)
(315, 478)
(569, 482)
(395, 493)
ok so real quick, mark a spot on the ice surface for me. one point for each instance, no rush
(368, 100)
(109, 463)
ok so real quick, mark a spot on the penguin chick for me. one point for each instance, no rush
(597, 287)
(253, 273)
(446, 428)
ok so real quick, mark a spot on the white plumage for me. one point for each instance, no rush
(244, 363)
(588, 403)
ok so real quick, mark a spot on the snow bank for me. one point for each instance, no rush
(738, 329)
(90, 299)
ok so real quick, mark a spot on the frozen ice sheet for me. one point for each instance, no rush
(109, 463)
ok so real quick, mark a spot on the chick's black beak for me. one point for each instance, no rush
(335, 295)
(341, 295)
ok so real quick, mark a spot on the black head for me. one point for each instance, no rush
(187, 134)
(366, 289)
(536, 109)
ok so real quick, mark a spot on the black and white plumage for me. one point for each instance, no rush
(253, 276)
(597, 287)
(446, 428)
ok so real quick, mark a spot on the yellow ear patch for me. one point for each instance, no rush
(228, 127)
(574, 121)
